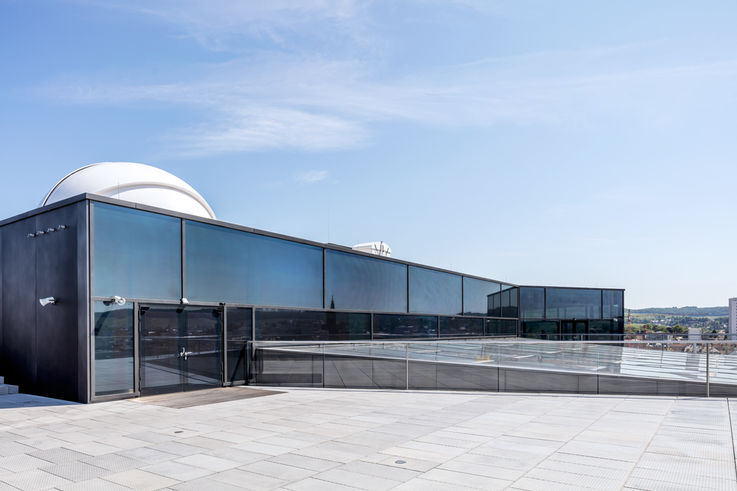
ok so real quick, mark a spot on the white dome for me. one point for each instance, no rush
(129, 181)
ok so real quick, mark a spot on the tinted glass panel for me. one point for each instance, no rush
(136, 254)
(405, 326)
(304, 325)
(613, 303)
(509, 301)
(476, 297)
(239, 333)
(570, 303)
(434, 292)
(362, 283)
(113, 348)
(540, 329)
(225, 265)
(460, 326)
(532, 303)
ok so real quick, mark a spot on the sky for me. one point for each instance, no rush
(554, 143)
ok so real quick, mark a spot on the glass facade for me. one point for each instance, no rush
(460, 326)
(434, 292)
(405, 326)
(612, 303)
(509, 301)
(354, 282)
(294, 292)
(224, 265)
(136, 254)
(573, 303)
(311, 325)
(532, 302)
(476, 295)
(113, 332)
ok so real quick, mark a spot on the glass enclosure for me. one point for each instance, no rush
(476, 295)
(405, 326)
(238, 328)
(136, 254)
(224, 265)
(309, 325)
(572, 303)
(114, 356)
(354, 282)
(434, 292)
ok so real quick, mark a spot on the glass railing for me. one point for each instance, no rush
(650, 367)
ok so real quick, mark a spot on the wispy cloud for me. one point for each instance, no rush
(292, 99)
(311, 176)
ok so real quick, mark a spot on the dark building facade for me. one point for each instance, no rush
(148, 300)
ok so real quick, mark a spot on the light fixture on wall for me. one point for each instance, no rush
(185, 301)
(46, 301)
(118, 300)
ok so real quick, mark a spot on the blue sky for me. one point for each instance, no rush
(572, 142)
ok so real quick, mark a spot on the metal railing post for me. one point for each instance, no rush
(406, 366)
(707, 370)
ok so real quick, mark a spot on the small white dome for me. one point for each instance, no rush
(129, 181)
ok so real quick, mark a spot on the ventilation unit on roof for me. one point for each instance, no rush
(380, 248)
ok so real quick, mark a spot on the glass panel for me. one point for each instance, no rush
(613, 301)
(509, 327)
(305, 325)
(354, 282)
(509, 301)
(532, 303)
(225, 265)
(239, 333)
(113, 348)
(136, 254)
(573, 303)
(460, 326)
(180, 348)
(434, 292)
(493, 327)
(540, 329)
(405, 326)
(476, 297)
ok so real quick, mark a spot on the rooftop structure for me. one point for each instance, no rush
(140, 290)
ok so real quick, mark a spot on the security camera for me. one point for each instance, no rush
(45, 301)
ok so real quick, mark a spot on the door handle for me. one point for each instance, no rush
(184, 354)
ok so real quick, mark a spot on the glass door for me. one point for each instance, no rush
(181, 348)
(573, 330)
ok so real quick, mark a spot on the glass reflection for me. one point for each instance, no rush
(113, 333)
(225, 265)
(532, 302)
(136, 254)
(573, 303)
(354, 282)
(613, 302)
(460, 326)
(434, 292)
(239, 333)
(509, 301)
(307, 325)
(405, 326)
(478, 297)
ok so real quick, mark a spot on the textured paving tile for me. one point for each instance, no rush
(332, 439)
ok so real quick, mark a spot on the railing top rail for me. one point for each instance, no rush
(496, 341)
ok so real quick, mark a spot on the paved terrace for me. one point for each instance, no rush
(315, 439)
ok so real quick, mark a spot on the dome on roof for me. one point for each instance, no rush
(129, 181)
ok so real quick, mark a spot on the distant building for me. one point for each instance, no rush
(733, 316)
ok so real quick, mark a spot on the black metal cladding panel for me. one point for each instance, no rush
(56, 325)
(19, 295)
(40, 344)
(1, 293)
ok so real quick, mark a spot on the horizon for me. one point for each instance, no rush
(567, 144)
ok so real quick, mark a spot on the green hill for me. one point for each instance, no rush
(692, 311)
